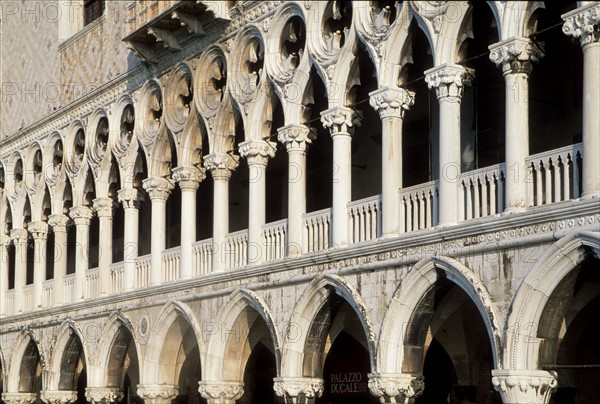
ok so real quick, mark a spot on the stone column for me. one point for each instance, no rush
(396, 388)
(58, 396)
(104, 208)
(158, 190)
(524, 386)
(59, 227)
(257, 152)
(583, 23)
(299, 390)
(131, 199)
(157, 393)
(103, 395)
(19, 237)
(391, 103)
(221, 166)
(296, 139)
(19, 398)
(39, 232)
(221, 392)
(189, 179)
(81, 215)
(4, 268)
(341, 121)
(449, 82)
(515, 57)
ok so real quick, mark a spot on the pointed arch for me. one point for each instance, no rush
(25, 353)
(67, 339)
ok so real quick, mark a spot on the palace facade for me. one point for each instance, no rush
(299, 202)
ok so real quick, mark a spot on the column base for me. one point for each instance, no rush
(299, 390)
(524, 386)
(590, 195)
(396, 387)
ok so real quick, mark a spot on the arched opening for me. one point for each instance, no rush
(173, 223)
(93, 250)
(48, 255)
(122, 369)
(277, 170)
(118, 222)
(239, 183)
(140, 173)
(204, 200)
(30, 372)
(70, 248)
(30, 244)
(10, 249)
(73, 374)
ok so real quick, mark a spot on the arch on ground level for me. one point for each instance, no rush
(521, 344)
(69, 347)
(419, 281)
(226, 355)
(2, 372)
(313, 299)
(175, 328)
(23, 360)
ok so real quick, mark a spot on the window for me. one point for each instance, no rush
(92, 10)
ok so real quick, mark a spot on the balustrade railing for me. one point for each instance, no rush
(274, 240)
(203, 257)
(48, 293)
(236, 249)
(317, 230)
(170, 264)
(117, 275)
(418, 207)
(481, 192)
(92, 283)
(28, 298)
(364, 219)
(9, 301)
(143, 265)
(69, 288)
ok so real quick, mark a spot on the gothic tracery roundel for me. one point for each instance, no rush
(211, 81)
(179, 98)
(150, 112)
(125, 131)
(76, 151)
(337, 21)
(248, 65)
(99, 142)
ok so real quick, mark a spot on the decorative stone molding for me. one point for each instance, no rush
(392, 102)
(221, 392)
(524, 386)
(58, 396)
(131, 198)
(19, 236)
(257, 151)
(19, 398)
(221, 165)
(295, 137)
(341, 120)
(178, 99)
(104, 206)
(396, 388)
(58, 222)
(158, 188)
(103, 395)
(433, 11)
(189, 178)
(583, 23)
(298, 390)
(448, 81)
(38, 230)
(514, 55)
(157, 392)
(81, 215)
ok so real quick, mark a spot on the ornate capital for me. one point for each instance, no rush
(295, 137)
(58, 396)
(448, 81)
(189, 178)
(391, 102)
(221, 392)
(104, 206)
(81, 215)
(19, 236)
(19, 398)
(299, 389)
(103, 395)
(524, 386)
(131, 198)
(58, 222)
(514, 55)
(396, 388)
(258, 151)
(583, 23)
(158, 188)
(157, 391)
(38, 230)
(221, 165)
(341, 120)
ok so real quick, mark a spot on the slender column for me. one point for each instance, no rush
(515, 57)
(299, 390)
(296, 139)
(157, 393)
(58, 396)
(341, 121)
(39, 232)
(19, 398)
(103, 395)
(59, 227)
(221, 166)
(81, 215)
(104, 208)
(583, 23)
(158, 189)
(131, 199)
(391, 103)
(189, 179)
(524, 386)
(221, 392)
(19, 237)
(4, 268)
(396, 388)
(449, 82)
(258, 153)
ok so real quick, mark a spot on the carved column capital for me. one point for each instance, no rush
(104, 206)
(154, 392)
(19, 398)
(514, 55)
(158, 188)
(59, 223)
(103, 395)
(524, 386)
(221, 165)
(38, 230)
(341, 121)
(58, 396)
(297, 390)
(257, 151)
(396, 388)
(19, 236)
(131, 198)
(391, 102)
(295, 137)
(583, 23)
(217, 392)
(449, 81)
(189, 178)
(81, 215)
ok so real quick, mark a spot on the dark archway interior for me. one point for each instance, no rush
(73, 374)
(258, 377)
